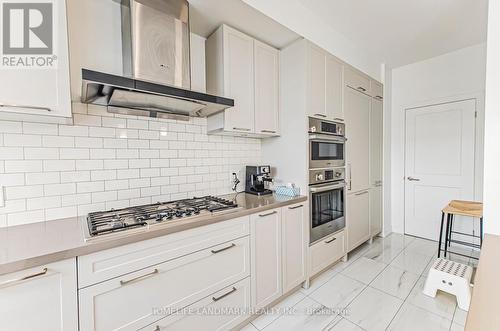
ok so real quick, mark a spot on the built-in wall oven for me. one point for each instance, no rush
(326, 144)
(327, 202)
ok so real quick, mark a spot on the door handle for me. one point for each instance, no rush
(268, 214)
(411, 179)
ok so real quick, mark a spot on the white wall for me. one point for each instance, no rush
(492, 124)
(301, 20)
(443, 78)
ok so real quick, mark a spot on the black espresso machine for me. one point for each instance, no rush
(257, 179)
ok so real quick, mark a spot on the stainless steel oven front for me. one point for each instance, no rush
(327, 204)
(326, 151)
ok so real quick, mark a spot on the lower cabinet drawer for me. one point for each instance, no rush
(223, 310)
(129, 302)
(326, 251)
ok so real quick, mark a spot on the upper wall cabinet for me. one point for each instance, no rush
(242, 68)
(38, 84)
(376, 90)
(357, 81)
(324, 84)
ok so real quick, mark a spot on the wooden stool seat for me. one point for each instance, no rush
(464, 208)
(471, 209)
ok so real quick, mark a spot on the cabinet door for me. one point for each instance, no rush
(315, 94)
(198, 65)
(376, 143)
(333, 98)
(358, 219)
(266, 89)
(375, 211)
(294, 234)
(265, 234)
(44, 90)
(326, 251)
(357, 113)
(357, 81)
(376, 90)
(239, 80)
(44, 301)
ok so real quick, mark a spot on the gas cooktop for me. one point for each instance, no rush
(141, 217)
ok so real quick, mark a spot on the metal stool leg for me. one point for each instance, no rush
(481, 232)
(451, 229)
(440, 234)
(446, 235)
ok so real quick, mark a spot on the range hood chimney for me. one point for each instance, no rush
(156, 66)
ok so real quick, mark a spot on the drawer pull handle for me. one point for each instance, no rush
(224, 295)
(361, 193)
(223, 249)
(25, 107)
(331, 240)
(338, 119)
(320, 115)
(268, 214)
(361, 88)
(41, 273)
(125, 282)
(295, 207)
(241, 129)
(268, 131)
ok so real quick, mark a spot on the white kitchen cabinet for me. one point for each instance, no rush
(326, 251)
(128, 302)
(333, 88)
(198, 65)
(235, 296)
(44, 90)
(266, 64)
(42, 298)
(358, 219)
(356, 80)
(230, 73)
(376, 90)
(295, 243)
(316, 76)
(375, 211)
(357, 112)
(265, 234)
(376, 142)
(246, 70)
(324, 84)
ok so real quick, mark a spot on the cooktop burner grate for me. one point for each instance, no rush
(100, 223)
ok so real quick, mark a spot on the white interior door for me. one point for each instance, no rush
(439, 165)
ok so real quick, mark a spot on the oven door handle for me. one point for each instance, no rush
(326, 137)
(326, 188)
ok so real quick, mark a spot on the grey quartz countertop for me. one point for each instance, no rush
(36, 244)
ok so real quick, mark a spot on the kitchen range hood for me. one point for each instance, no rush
(156, 66)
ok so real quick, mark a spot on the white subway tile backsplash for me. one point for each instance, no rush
(89, 120)
(59, 189)
(11, 127)
(58, 141)
(41, 153)
(23, 192)
(22, 140)
(23, 166)
(58, 165)
(12, 153)
(107, 160)
(86, 142)
(42, 178)
(88, 187)
(40, 128)
(43, 202)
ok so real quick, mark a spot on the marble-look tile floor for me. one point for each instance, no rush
(378, 288)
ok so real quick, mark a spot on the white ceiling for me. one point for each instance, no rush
(399, 32)
(207, 15)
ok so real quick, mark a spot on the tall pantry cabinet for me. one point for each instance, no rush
(364, 126)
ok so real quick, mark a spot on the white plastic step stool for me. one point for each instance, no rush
(451, 277)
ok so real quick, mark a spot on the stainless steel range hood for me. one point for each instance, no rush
(156, 66)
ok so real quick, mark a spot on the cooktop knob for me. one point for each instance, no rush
(319, 177)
